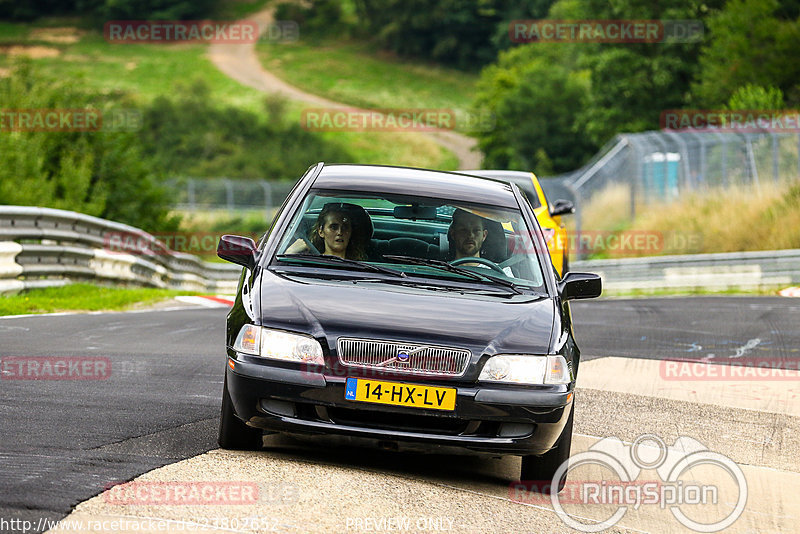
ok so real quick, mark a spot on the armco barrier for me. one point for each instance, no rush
(712, 272)
(43, 247)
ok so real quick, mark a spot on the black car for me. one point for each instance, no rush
(399, 307)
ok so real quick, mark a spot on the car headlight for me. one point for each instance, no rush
(526, 369)
(278, 345)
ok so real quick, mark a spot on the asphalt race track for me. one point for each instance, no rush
(64, 441)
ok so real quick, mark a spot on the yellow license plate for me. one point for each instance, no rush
(398, 394)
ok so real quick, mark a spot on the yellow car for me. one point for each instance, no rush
(548, 215)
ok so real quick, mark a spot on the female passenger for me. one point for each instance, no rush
(334, 234)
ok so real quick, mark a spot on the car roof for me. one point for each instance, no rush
(521, 178)
(422, 182)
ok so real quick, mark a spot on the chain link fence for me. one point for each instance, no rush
(658, 166)
(198, 194)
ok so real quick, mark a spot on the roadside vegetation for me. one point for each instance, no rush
(82, 297)
(190, 120)
(359, 74)
(765, 217)
(736, 219)
(553, 104)
(644, 293)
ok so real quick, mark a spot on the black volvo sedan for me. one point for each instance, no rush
(396, 307)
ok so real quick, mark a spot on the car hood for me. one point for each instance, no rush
(374, 310)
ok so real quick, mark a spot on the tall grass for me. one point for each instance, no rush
(728, 220)
(733, 219)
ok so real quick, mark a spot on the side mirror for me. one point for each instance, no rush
(237, 249)
(562, 207)
(580, 286)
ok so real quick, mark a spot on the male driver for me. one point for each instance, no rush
(467, 234)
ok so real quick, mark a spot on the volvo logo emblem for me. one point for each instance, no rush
(402, 356)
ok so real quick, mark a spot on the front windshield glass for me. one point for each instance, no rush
(413, 237)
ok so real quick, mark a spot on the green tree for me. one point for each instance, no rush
(100, 173)
(535, 94)
(750, 44)
(102, 10)
(754, 97)
(190, 135)
(464, 34)
(567, 99)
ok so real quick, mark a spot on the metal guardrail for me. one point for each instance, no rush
(715, 272)
(43, 247)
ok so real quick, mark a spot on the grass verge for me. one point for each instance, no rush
(693, 292)
(734, 219)
(82, 297)
(355, 73)
(147, 71)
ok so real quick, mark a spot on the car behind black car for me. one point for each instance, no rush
(401, 306)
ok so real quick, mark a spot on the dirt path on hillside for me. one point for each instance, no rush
(240, 62)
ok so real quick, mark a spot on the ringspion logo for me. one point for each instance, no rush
(690, 478)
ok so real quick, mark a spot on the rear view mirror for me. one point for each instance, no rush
(562, 207)
(580, 286)
(415, 211)
(237, 249)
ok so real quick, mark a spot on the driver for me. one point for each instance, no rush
(466, 234)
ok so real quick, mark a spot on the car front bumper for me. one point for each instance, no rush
(494, 420)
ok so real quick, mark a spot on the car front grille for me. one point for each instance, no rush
(428, 360)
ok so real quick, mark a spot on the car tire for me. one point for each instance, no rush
(539, 470)
(233, 433)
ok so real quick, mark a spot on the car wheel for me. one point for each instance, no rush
(233, 433)
(539, 470)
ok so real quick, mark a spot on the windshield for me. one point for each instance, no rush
(411, 237)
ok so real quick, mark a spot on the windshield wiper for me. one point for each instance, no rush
(329, 259)
(481, 277)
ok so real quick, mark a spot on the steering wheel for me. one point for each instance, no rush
(483, 261)
(310, 245)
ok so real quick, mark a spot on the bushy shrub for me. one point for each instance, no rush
(100, 173)
(190, 135)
